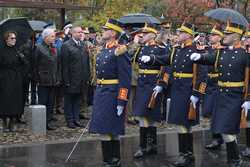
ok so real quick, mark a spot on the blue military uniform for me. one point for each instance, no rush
(211, 80)
(113, 71)
(209, 99)
(117, 71)
(183, 70)
(147, 80)
(231, 65)
(211, 77)
(246, 152)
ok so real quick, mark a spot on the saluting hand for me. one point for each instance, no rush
(145, 59)
(195, 56)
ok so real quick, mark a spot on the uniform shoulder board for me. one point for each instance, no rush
(120, 50)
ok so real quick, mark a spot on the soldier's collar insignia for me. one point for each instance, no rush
(217, 46)
(186, 43)
(151, 43)
(111, 44)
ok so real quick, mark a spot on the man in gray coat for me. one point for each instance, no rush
(47, 72)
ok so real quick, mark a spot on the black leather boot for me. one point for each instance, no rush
(116, 155)
(143, 143)
(185, 158)
(190, 146)
(152, 141)
(5, 125)
(107, 153)
(11, 125)
(216, 142)
(233, 156)
(246, 152)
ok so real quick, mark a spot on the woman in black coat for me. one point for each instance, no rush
(11, 81)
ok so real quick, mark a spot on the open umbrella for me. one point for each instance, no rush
(20, 26)
(37, 25)
(225, 14)
(138, 19)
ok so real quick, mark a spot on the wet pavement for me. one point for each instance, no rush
(88, 154)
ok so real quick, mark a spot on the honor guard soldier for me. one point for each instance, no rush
(246, 43)
(148, 76)
(209, 99)
(113, 71)
(184, 96)
(231, 64)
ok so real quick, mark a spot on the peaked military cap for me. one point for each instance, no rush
(150, 28)
(92, 30)
(247, 33)
(187, 28)
(217, 30)
(113, 24)
(233, 28)
(68, 24)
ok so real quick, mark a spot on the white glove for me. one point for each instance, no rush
(119, 110)
(195, 56)
(145, 59)
(246, 107)
(157, 90)
(194, 100)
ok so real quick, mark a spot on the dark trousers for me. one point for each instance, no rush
(33, 92)
(26, 90)
(72, 107)
(58, 99)
(46, 97)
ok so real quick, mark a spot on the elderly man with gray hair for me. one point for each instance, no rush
(47, 72)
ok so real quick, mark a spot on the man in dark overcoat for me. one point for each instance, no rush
(75, 75)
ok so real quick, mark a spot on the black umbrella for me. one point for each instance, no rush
(138, 19)
(37, 25)
(225, 14)
(20, 26)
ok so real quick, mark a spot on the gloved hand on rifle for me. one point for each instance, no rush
(119, 110)
(194, 100)
(246, 107)
(157, 89)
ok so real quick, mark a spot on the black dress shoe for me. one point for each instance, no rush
(71, 125)
(78, 124)
(49, 127)
(215, 145)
